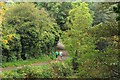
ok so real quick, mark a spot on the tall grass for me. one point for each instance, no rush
(42, 58)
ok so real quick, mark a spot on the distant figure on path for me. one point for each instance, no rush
(56, 53)
(61, 55)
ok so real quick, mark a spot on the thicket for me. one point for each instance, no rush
(94, 48)
(53, 70)
(27, 32)
(58, 10)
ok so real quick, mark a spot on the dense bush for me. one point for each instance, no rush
(107, 42)
(61, 70)
(94, 49)
(54, 70)
(35, 33)
(58, 10)
(11, 46)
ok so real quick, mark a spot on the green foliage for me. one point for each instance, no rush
(27, 62)
(79, 21)
(11, 46)
(107, 41)
(117, 10)
(54, 70)
(50, 33)
(94, 50)
(58, 10)
(79, 41)
(105, 29)
(35, 32)
(26, 72)
(11, 74)
(102, 12)
(61, 70)
(90, 46)
(34, 72)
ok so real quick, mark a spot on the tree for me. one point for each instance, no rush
(103, 12)
(78, 41)
(117, 10)
(107, 42)
(38, 32)
(58, 10)
(79, 21)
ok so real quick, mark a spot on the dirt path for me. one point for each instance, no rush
(34, 64)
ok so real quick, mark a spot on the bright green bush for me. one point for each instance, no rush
(91, 60)
(54, 70)
(35, 32)
(61, 70)
(27, 72)
(11, 46)
(11, 74)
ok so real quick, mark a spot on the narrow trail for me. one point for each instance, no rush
(34, 64)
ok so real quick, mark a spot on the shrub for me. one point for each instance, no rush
(38, 33)
(11, 47)
(54, 70)
(61, 70)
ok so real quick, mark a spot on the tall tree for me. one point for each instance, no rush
(37, 30)
(57, 10)
(78, 21)
(78, 41)
(107, 42)
(103, 12)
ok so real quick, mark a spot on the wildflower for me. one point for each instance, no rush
(10, 36)
(5, 41)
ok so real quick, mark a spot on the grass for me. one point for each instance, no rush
(20, 73)
(27, 62)
(34, 70)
